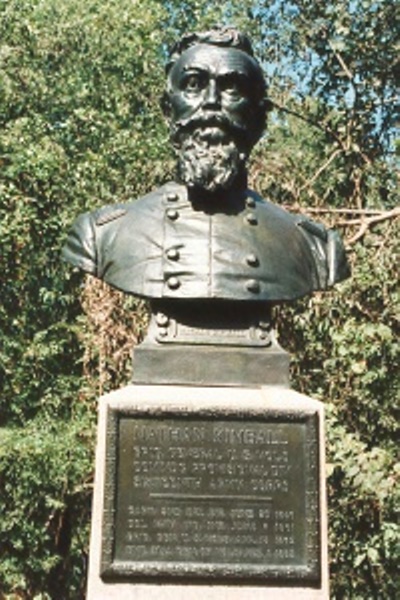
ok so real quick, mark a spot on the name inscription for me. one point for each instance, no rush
(211, 496)
(247, 336)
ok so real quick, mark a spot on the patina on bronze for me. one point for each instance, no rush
(216, 495)
(206, 237)
(225, 343)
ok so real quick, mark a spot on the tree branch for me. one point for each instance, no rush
(320, 170)
(318, 124)
(365, 224)
(341, 62)
(364, 221)
(345, 211)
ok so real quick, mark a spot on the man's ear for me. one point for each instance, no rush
(165, 104)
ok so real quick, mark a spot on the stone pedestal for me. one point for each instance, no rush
(209, 493)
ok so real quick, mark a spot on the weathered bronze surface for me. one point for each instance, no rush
(207, 236)
(212, 496)
(217, 250)
(218, 343)
(210, 365)
(240, 324)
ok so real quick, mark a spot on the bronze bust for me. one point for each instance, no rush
(207, 236)
(210, 255)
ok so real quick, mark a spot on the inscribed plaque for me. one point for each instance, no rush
(200, 496)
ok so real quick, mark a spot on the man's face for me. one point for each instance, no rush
(217, 114)
(215, 86)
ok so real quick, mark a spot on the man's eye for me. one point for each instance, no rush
(234, 86)
(192, 83)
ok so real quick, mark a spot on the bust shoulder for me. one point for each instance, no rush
(325, 244)
(93, 233)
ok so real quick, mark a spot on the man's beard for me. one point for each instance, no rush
(208, 163)
(208, 155)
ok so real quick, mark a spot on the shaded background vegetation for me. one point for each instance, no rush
(80, 126)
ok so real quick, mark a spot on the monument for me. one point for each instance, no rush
(209, 473)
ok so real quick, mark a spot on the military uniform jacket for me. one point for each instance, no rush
(161, 246)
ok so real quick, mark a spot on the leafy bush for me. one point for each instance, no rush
(79, 88)
(46, 498)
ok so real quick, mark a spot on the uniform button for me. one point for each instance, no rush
(173, 254)
(172, 214)
(173, 283)
(250, 202)
(172, 197)
(253, 286)
(162, 320)
(251, 218)
(252, 260)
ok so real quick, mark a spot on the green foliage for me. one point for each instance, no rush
(333, 82)
(346, 346)
(79, 89)
(363, 501)
(329, 154)
(45, 505)
(81, 126)
(345, 353)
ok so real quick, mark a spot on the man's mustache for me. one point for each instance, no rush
(204, 119)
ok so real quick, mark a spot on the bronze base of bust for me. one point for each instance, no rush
(210, 343)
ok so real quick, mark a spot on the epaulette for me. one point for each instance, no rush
(109, 213)
(315, 228)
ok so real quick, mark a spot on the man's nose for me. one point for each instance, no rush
(212, 98)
